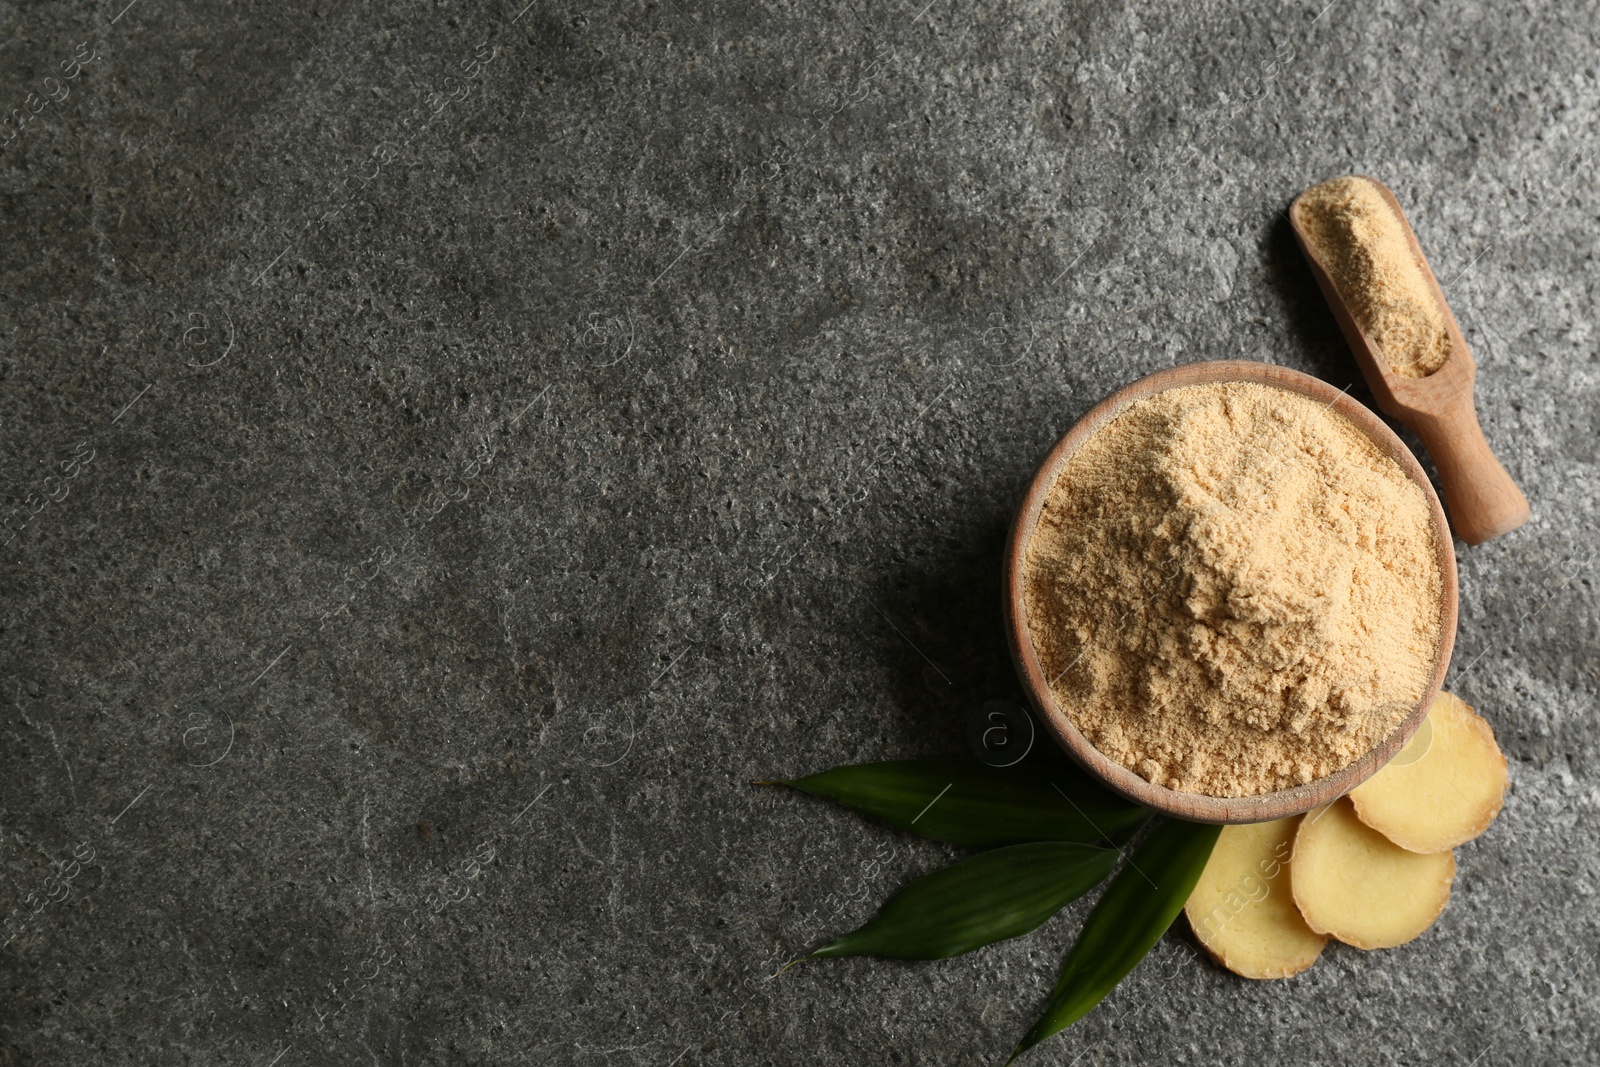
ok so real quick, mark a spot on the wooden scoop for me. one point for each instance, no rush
(1482, 500)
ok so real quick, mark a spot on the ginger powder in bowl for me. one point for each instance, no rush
(1231, 590)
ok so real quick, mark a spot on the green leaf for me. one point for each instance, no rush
(969, 803)
(1126, 922)
(990, 897)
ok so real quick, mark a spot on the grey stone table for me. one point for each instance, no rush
(449, 452)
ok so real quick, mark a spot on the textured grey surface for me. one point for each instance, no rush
(449, 453)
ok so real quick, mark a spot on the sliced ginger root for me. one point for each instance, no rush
(1353, 883)
(1445, 786)
(1242, 909)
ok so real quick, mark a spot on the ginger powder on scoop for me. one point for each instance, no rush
(1363, 245)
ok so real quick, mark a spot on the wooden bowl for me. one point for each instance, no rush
(1198, 807)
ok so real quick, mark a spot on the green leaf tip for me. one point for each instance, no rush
(965, 802)
(1129, 918)
(990, 897)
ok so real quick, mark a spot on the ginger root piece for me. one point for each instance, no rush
(1445, 786)
(1352, 883)
(1242, 909)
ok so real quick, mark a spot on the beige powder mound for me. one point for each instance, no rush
(1232, 590)
(1363, 244)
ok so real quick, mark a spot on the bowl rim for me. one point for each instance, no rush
(1198, 807)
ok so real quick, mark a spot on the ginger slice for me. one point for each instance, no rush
(1445, 786)
(1353, 883)
(1242, 909)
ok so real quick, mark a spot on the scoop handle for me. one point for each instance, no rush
(1482, 500)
